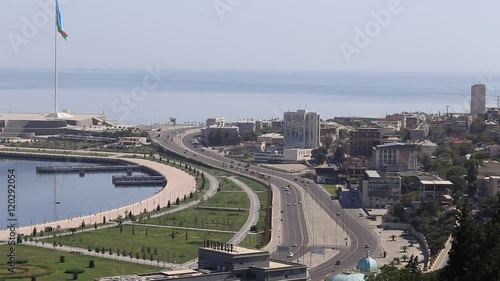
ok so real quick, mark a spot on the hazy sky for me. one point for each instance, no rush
(421, 35)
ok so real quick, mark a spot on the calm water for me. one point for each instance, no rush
(36, 193)
(196, 95)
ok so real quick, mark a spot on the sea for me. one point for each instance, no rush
(153, 95)
(36, 195)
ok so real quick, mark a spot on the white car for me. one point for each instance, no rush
(290, 255)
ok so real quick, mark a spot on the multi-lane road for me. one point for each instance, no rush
(294, 233)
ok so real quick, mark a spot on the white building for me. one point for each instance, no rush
(246, 126)
(301, 129)
(216, 121)
(295, 155)
(478, 99)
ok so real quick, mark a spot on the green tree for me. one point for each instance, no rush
(328, 142)
(465, 247)
(319, 155)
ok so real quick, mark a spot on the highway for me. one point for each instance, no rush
(294, 229)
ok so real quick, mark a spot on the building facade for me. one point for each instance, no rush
(271, 139)
(301, 129)
(379, 189)
(222, 261)
(362, 140)
(478, 99)
(246, 126)
(216, 121)
(395, 157)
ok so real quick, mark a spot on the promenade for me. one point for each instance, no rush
(179, 183)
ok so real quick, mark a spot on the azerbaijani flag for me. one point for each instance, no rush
(59, 22)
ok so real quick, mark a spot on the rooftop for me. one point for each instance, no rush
(45, 116)
(372, 174)
(397, 145)
(431, 182)
(271, 135)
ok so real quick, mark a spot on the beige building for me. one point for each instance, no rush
(271, 139)
(216, 121)
(389, 121)
(133, 141)
(478, 99)
(487, 178)
(395, 157)
(379, 189)
(437, 189)
(255, 146)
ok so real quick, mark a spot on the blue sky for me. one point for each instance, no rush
(423, 35)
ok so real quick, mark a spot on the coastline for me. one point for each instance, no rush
(178, 184)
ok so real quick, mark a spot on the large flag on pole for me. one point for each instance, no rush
(60, 22)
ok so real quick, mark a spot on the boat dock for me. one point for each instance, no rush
(139, 180)
(83, 169)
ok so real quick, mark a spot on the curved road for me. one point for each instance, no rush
(358, 230)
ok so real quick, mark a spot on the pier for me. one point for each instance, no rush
(139, 180)
(83, 169)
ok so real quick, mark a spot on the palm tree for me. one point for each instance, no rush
(393, 237)
(404, 258)
(404, 248)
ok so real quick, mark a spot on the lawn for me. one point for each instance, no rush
(262, 192)
(331, 188)
(228, 185)
(254, 185)
(132, 239)
(203, 218)
(229, 200)
(40, 259)
(252, 241)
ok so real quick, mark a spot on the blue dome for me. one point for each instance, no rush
(345, 276)
(367, 263)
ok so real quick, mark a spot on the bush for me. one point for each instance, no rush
(62, 259)
(21, 261)
(91, 264)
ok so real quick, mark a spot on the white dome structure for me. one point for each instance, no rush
(367, 265)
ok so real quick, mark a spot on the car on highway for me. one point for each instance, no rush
(288, 204)
(300, 202)
(338, 262)
(281, 211)
(282, 219)
(367, 246)
(294, 245)
(288, 193)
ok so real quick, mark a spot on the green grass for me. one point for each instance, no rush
(253, 241)
(180, 249)
(49, 259)
(330, 188)
(229, 200)
(203, 218)
(254, 185)
(261, 191)
(228, 185)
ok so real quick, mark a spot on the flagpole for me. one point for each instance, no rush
(56, 77)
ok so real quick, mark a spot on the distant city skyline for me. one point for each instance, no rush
(380, 35)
